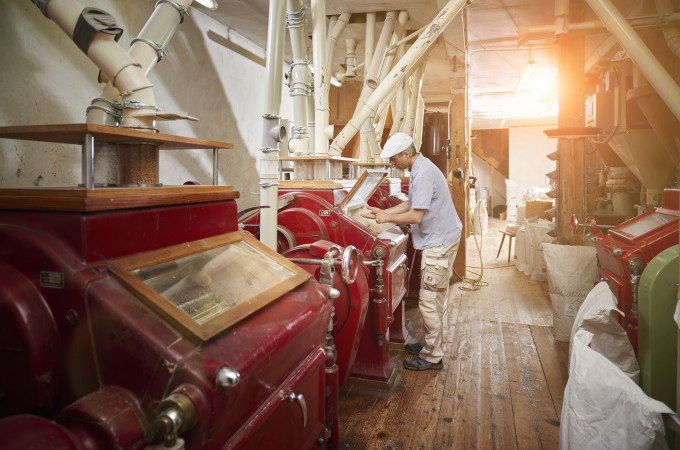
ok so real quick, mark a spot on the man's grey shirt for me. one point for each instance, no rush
(428, 190)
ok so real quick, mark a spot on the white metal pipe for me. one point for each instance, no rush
(399, 31)
(401, 70)
(381, 114)
(401, 98)
(367, 142)
(405, 39)
(321, 84)
(147, 49)
(113, 61)
(334, 33)
(300, 76)
(670, 33)
(350, 58)
(593, 26)
(369, 41)
(561, 17)
(157, 31)
(399, 105)
(269, 158)
(418, 128)
(416, 83)
(311, 126)
(379, 52)
(644, 59)
(331, 24)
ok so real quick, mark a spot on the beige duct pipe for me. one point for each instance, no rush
(331, 24)
(350, 58)
(147, 49)
(113, 61)
(311, 128)
(300, 77)
(416, 84)
(594, 26)
(373, 71)
(670, 33)
(333, 35)
(272, 131)
(561, 17)
(367, 142)
(399, 105)
(418, 128)
(643, 58)
(401, 70)
(391, 50)
(369, 41)
(321, 84)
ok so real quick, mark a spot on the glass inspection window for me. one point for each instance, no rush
(203, 287)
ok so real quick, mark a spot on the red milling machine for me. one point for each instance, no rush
(627, 248)
(143, 318)
(324, 210)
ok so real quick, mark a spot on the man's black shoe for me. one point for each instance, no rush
(417, 363)
(414, 348)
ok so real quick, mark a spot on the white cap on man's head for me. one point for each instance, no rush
(397, 143)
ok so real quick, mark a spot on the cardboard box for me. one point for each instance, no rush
(537, 209)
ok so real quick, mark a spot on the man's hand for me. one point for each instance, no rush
(381, 217)
(370, 212)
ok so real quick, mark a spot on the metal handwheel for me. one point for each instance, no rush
(350, 264)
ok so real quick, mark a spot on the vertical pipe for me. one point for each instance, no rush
(300, 76)
(334, 33)
(379, 53)
(269, 158)
(643, 58)
(416, 83)
(369, 41)
(561, 17)
(418, 127)
(321, 85)
(367, 143)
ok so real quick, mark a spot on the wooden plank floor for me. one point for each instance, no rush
(503, 379)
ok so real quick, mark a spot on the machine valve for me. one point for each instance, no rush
(176, 414)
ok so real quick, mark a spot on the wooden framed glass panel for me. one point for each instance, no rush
(641, 225)
(204, 287)
(362, 190)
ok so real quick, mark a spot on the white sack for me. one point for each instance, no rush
(604, 409)
(598, 315)
(537, 233)
(521, 249)
(572, 273)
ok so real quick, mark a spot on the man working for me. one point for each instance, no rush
(436, 230)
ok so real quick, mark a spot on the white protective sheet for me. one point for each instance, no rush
(603, 408)
(598, 315)
(572, 273)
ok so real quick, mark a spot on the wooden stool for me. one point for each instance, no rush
(511, 235)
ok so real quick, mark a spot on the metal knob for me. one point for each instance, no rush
(227, 377)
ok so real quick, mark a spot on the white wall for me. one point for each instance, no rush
(46, 79)
(528, 162)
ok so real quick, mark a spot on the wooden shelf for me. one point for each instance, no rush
(318, 158)
(309, 184)
(108, 199)
(75, 134)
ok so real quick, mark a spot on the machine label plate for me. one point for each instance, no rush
(324, 213)
(52, 279)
